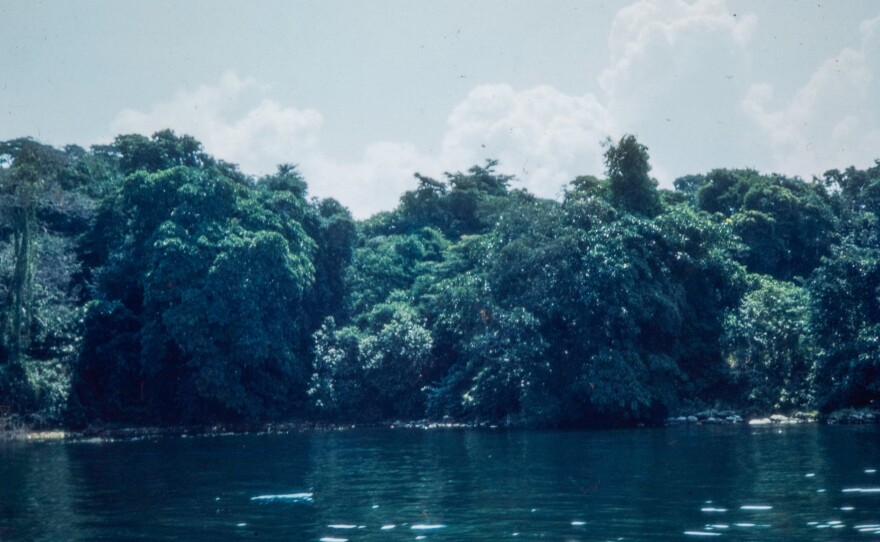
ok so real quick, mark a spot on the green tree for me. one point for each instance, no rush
(787, 225)
(376, 371)
(385, 264)
(509, 371)
(163, 150)
(632, 189)
(845, 315)
(43, 210)
(767, 344)
(25, 181)
(215, 271)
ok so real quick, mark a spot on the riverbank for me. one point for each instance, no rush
(729, 417)
(11, 432)
(846, 416)
(127, 433)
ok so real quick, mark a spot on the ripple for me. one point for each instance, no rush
(428, 527)
(862, 490)
(293, 497)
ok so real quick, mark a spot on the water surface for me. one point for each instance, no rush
(682, 483)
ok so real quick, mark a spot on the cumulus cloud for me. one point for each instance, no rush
(676, 74)
(236, 121)
(649, 28)
(373, 183)
(541, 135)
(830, 121)
(265, 135)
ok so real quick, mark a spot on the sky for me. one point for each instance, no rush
(361, 95)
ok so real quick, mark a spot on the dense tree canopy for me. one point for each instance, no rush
(145, 281)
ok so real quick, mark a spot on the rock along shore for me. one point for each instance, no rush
(849, 416)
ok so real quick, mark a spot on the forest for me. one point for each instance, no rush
(145, 282)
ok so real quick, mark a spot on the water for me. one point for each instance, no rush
(683, 483)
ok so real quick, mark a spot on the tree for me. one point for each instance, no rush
(38, 296)
(766, 343)
(844, 320)
(215, 273)
(389, 263)
(375, 371)
(787, 225)
(509, 371)
(25, 180)
(163, 150)
(632, 189)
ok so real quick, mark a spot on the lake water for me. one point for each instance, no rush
(682, 483)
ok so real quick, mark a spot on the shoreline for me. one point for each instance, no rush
(849, 416)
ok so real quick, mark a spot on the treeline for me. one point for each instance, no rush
(146, 282)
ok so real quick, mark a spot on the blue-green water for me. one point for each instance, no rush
(683, 483)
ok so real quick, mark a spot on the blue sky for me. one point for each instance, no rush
(363, 94)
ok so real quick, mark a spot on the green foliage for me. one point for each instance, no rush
(631, 188)
(844, 319)
(767, 344)
(147, 282)
(373, 372)
(618, 313)
(509, 371)
(213, 273)
(701, 255)
(463, 204)
(629, 311)
(38, 270)
(335, 234)
(108, 384)
(689, 185)
(164, 150)
(787, 226)
(389, 263)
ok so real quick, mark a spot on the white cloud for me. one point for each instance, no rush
(648, 28)
(677, 72)
(542, 135)
(373, 183)
(831, 121)
(266, 135)
(236, 122)
(678, 76)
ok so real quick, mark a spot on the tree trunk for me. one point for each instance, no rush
(18, 305)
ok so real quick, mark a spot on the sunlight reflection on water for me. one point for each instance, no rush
(375, 485)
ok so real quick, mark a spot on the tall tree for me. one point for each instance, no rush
(632, 189)
(25, 180)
